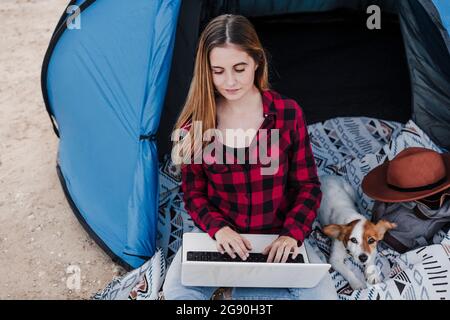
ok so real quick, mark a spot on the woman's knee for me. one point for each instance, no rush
(173, 291)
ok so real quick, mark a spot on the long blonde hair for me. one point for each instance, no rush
(200, 104)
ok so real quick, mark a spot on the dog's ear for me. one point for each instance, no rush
(382, 226)
(352, 224)
(339, 231)
(333, 230)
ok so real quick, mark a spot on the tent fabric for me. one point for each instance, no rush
(117, 84)
(106, 84)
(332, 69)
(428, 51)
(271, 7)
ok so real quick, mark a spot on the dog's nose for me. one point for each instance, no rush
(363, 257)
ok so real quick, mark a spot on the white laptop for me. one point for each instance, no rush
(199, 268)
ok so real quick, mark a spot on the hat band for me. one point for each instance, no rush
(416, 189)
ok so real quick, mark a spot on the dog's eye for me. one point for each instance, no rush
(371, 240)
(354, 240)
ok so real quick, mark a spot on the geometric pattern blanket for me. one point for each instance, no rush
(349, 147)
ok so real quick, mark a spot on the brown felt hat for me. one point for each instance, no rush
(413, 174)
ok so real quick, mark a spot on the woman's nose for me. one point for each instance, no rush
(230, 80)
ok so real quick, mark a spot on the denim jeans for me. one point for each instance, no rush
(174, 290)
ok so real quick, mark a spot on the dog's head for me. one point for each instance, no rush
(359, 237)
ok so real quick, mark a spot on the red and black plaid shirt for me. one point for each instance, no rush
(239, 196)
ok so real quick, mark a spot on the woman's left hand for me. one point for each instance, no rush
(280, 249)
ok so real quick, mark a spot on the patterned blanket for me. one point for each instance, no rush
(349, 147)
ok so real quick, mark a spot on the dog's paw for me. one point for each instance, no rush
(373, 275)
(373, 278)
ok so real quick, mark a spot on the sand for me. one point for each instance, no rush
(40, 238)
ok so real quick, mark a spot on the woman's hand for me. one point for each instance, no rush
(230, 241)
(280, 249)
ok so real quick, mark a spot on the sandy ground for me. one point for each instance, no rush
(40, 238)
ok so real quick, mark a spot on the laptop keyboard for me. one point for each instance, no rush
(209, 256)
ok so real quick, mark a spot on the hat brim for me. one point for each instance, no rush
(375, 185)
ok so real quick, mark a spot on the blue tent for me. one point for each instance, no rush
(114, 87)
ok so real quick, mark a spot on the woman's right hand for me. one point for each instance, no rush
(230, 241)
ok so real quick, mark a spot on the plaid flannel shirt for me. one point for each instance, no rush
(239, 196)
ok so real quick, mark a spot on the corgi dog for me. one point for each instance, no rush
(351, 233)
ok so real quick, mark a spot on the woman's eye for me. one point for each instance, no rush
(354, 240)
(220, 72)
(371, 240)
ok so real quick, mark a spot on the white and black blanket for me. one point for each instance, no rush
(349, 147)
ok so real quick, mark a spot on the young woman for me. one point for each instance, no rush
(230, 90)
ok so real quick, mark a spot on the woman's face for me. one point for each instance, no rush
(233, 71)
